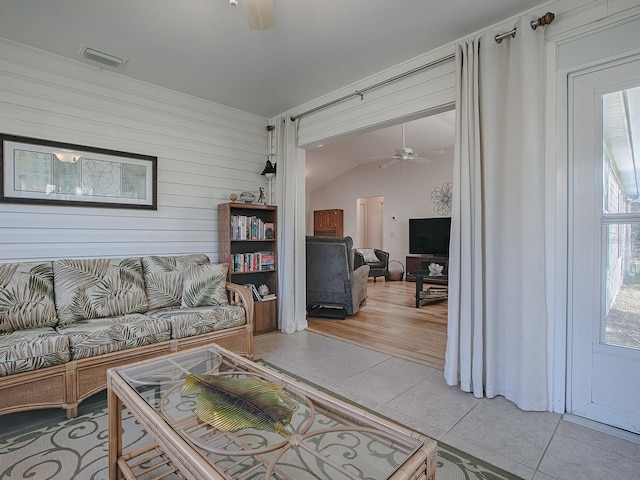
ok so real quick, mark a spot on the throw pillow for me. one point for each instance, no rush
(163, 278)
(369, 255)
(205, 285)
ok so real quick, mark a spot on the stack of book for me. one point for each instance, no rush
(267, 261)
(437, 290)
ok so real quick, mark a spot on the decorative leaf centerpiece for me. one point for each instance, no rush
(230, 403)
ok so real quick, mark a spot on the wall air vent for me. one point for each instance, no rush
(103, 58)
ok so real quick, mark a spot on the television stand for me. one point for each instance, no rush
(415, 263)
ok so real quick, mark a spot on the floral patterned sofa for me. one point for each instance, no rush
(63, 323)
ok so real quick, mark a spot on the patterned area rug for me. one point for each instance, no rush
(77, 449)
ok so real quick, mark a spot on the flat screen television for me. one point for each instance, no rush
(429, 236)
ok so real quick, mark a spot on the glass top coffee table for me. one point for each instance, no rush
(326, 438)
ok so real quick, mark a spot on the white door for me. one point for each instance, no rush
(370, 222)
(604, 284)
(361, 241)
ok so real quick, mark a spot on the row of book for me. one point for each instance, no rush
(245, 227)
(252, 262)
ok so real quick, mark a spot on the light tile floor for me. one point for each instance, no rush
(532, 445)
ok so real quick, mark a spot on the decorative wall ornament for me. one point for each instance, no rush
(441, 197)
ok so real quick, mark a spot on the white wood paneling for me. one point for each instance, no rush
(413, 95)
(205, 152)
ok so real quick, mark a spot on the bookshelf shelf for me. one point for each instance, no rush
(246, 239)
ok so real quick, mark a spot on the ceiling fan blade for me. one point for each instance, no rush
(259, 14)
(437, 151)
(389, 162)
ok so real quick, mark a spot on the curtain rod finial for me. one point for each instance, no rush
(546, 19)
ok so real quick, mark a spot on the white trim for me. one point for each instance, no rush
(602, 427)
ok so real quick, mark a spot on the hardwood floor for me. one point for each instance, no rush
(390, 323)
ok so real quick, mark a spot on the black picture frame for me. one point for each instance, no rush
(37, 171)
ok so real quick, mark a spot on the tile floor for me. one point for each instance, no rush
(532, 445)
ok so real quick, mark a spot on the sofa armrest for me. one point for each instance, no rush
(240, 295)
(359, 287)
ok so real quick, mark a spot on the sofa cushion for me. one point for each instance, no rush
(188, 322)
(26, 296)
(163, 277)
(369, 255)
(98, 288)
(205, 285)
(31, 349)
(96, 336)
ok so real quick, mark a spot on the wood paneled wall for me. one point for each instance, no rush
(205, 152)
(432, 90)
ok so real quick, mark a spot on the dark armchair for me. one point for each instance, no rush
(377, 260)
(332, 280)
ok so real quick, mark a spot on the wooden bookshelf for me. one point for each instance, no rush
(247, 240)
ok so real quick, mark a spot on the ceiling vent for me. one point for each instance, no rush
(104, 58)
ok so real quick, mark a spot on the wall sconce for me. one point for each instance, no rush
(269, 169)
(269, 172)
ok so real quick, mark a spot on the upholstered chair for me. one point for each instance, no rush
(378, 261)
(332, 279)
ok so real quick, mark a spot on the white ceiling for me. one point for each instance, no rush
(205, 48)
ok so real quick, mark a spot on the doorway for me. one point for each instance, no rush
(370, 220)
(604, 283)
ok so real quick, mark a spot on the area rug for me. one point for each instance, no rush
(77, 449)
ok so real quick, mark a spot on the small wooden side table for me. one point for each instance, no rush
(423, 276)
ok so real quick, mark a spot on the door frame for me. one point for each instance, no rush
(585, 350)
(570, 50)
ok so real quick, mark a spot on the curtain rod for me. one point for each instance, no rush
(360, 93)
(546, 19)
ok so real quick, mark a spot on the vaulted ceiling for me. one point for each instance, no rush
(424, 136)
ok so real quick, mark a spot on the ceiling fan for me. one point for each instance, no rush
(259, 13)
(406, 153)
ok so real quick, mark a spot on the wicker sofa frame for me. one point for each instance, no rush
(66, 385)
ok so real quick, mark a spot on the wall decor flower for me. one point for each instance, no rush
(441, 197)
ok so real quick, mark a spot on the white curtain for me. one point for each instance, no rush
(497, 326)
(291, 245)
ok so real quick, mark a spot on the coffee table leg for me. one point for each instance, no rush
(114, 406)
(418, 290)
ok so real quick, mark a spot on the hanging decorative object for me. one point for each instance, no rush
(441, 197)
(270, 167)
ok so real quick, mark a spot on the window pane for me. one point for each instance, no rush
(620, 144)
(622, 286)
